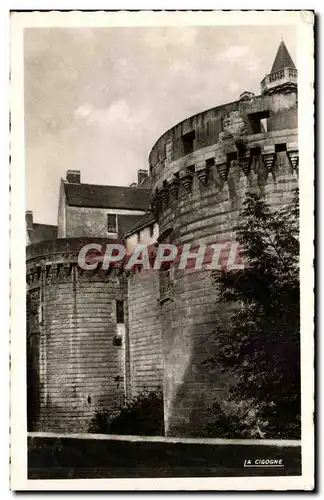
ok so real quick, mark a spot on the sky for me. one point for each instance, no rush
(97, 99)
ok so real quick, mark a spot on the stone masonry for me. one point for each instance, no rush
(201, 170)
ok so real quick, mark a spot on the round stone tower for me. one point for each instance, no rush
(75, 337)
(201, 170)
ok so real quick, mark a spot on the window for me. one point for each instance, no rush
(231, 157)
(210, 162)
(120, 311)
(40, 314)
(258, 122)
(138, 235)
(188, 142)
(166, 283)
(151, 230)
(168, 151)
(280, 148)
(112, 223)
(117, 341)
(255, 151)
(208, 128)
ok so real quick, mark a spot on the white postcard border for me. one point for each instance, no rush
(303, 21)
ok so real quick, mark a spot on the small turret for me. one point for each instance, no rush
(283, 75)
(283, 59)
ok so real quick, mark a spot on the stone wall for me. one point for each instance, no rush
(98, 456)
(77, 365)
(145, 340)
(237, 118)
(198, 196)
(201, 170)
(189, 318)
(283, 111)
(87, 222)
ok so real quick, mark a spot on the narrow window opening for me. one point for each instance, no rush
(40, 314)
(255, 151)
(120, 311)
(264, 125)
(166, 282)
(231, 157)
(151, 230)
(117, 341)
(168, 151)
(259, 122)
(279, 148)
(188, 142)
(112, 223)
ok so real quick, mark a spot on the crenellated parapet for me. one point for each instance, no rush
(211, 169)
(258, 133)
(60, 272)
(62, 250)
(54, 262)
(284, 80)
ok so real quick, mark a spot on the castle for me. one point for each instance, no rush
(96, 336)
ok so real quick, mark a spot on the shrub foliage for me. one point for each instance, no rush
(140, 415)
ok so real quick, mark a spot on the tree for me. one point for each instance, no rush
(262, 345)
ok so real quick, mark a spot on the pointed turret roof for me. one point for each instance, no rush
(283, 59)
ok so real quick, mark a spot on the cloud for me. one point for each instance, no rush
(118, 115)
(234, 53)
(241, 56)
(112, 141)
(83, 111)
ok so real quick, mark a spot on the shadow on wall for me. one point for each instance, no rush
(32, 398)
(202, 384)
(190, 386)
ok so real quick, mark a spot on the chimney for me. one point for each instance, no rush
(73, 176)
(141, 175)
(29, 220)
(246, 96)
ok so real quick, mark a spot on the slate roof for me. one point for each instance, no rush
(126, 223)
(283, 59)
(96, 196)
(143, 222)
(42, 232)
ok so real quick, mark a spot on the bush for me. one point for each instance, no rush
(231, 420)
(140, 415)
